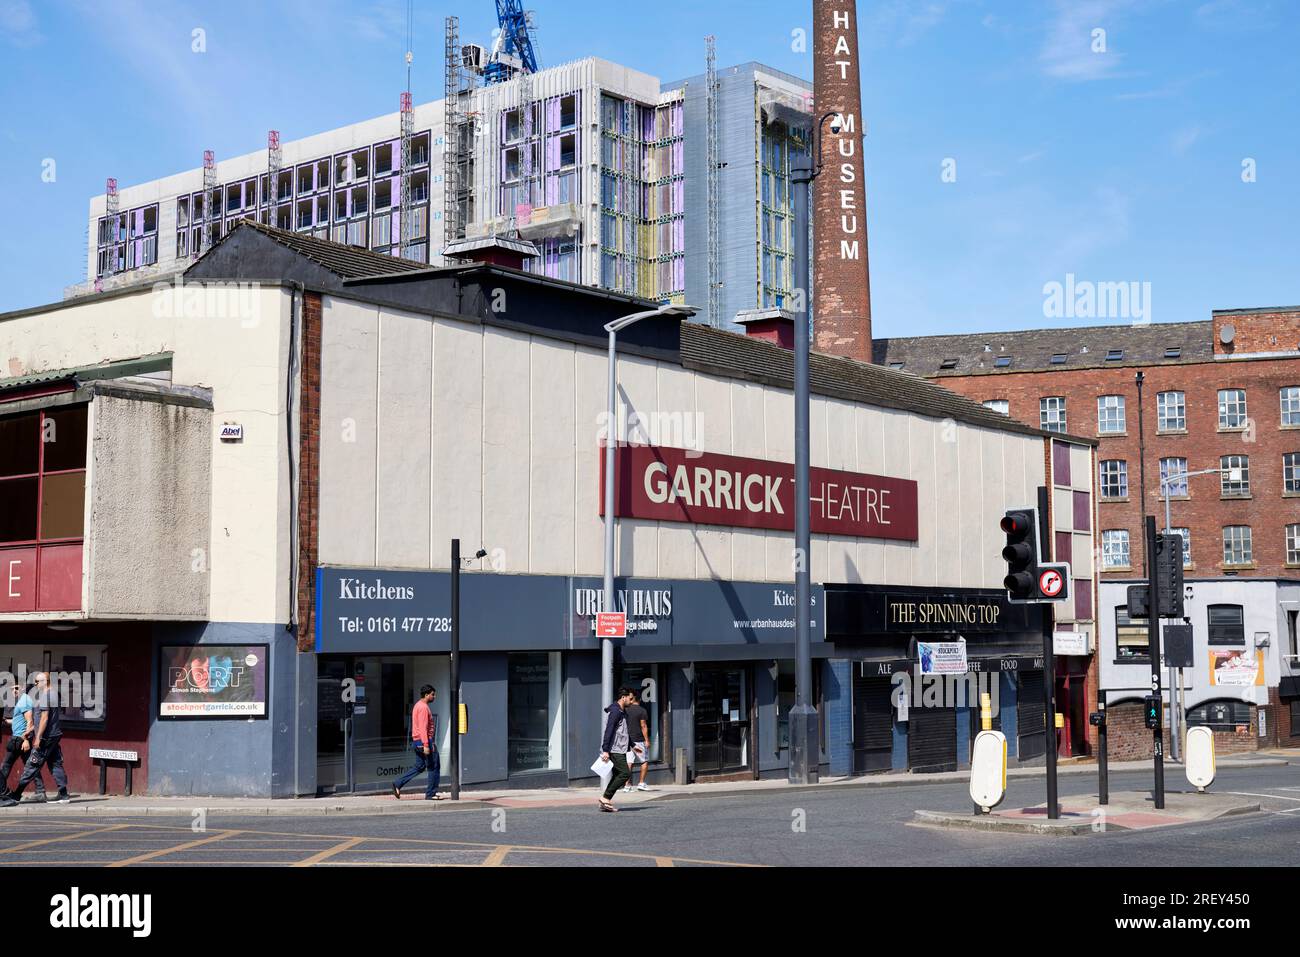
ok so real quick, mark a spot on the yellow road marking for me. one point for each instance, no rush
(171, 850)
(663, 862)
(498, 856)
(411, 843)
(66, 837)
(329, 852)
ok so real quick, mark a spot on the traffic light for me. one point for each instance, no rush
(1021, 553)
(1152, 706)
(1169, 574)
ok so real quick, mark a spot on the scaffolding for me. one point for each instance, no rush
(457, 139)
(525, 197)
(111, 207)
(712, 160)
(273, 162)
(404, 209)
(210, 201)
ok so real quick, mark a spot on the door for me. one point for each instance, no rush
(932, 739)
(722, 724)
(873, 723)
(333, 725)
(1031, 712)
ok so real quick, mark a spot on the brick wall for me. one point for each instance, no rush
(1258, 331)
(1129, 739)
(1203, 511)
(308, 468)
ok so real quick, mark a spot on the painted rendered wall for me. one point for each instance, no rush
(147, 538)
(511, 424)
(1259, 600)
(237, 348)
(234, 757)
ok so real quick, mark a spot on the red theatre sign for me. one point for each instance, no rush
(704, 488)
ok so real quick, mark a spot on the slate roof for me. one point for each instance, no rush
(349, 262)
(1084, 347)
(737, 356)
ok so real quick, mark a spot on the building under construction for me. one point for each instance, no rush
(597, 173)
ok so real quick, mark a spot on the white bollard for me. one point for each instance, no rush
(988, 770)
(1199, 757)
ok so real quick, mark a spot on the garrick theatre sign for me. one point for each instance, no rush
(706, 488)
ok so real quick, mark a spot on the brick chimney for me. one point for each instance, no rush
(771, 325)
(842, 287)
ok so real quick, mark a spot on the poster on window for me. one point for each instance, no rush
(212, 681)
(1238, 668)
(942, 657)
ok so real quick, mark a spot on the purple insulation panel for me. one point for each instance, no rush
(1060, 463)
(553, 113)
(395, 227)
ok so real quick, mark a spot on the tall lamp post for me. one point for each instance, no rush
(1175, 705)
(805, 733)
(611, 443)
(455, 663)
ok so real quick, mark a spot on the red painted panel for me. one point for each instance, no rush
(60, 580)
(17, 579)
(677, 485)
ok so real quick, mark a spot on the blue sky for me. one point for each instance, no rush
(1115, 166)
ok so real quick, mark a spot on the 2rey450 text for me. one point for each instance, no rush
(393, 624)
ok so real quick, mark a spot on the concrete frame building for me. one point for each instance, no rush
(308, 425)
(605, 174)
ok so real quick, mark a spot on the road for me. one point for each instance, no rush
(835, 826)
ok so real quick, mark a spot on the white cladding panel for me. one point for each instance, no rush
(511, 424)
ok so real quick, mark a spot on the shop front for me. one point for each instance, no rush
(712, 660)
(914, 663)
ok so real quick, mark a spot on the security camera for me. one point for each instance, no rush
(481, 553)
(837, 123)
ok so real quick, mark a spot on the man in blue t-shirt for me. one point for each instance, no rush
(19, 744)
(47, 738)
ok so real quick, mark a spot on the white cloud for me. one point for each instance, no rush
(1186, 138)
(1068, 53)
(18, 24)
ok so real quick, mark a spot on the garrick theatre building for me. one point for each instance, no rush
(277, 453)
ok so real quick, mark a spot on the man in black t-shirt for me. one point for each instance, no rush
(47, 717)
(638, 733)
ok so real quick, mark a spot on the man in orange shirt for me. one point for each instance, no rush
(424, 740)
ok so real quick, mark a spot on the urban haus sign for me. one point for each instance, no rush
(705, 488)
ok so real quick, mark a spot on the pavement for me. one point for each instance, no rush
(382, 802)
(827, 825)
(1125, 811)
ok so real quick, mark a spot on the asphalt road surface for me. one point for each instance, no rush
(835, 826)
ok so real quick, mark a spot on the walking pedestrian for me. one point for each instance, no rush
(614, 746)
(424, 740)
(20, 742)
(47, 715)
(638, 730)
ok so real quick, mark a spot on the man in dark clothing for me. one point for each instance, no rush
(638, 731)
(46, 741)
(614, 747)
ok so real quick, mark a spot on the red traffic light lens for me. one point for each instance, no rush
(1015, 523)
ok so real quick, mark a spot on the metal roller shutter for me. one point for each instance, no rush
(932, 739)
(1031, 713)
(873, 723)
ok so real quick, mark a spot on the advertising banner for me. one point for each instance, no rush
(212, 681)
(1237, 668)
(942, 657)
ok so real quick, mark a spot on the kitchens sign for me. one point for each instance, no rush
(676, 485)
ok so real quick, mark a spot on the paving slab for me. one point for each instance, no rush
(1127, 811)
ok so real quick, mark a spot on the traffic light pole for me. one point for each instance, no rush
(1049, 662)
(1153, 647)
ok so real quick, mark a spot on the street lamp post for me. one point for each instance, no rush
(611, 442)
(1175, 704)
(805, 733)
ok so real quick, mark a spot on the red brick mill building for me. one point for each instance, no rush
(1220, 426)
